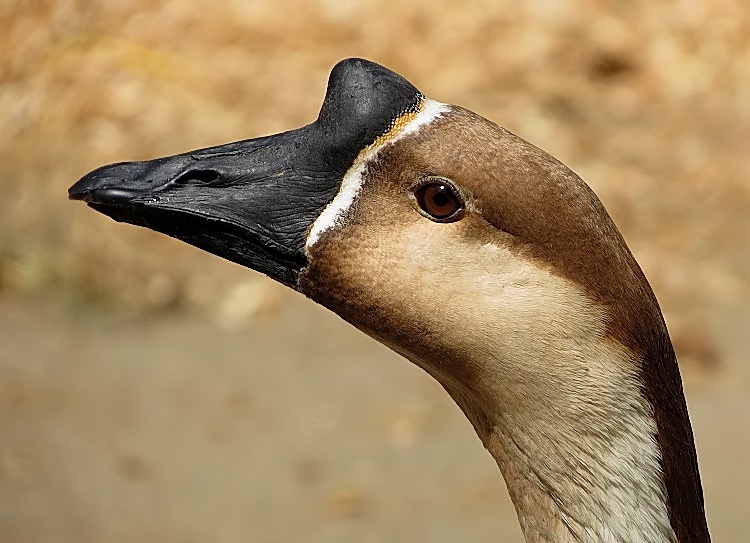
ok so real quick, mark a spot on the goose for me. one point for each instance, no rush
(476, 256)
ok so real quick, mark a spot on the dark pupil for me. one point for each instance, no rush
(440, 196)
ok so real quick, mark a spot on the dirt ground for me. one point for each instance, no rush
(298, 428)
(151, 392)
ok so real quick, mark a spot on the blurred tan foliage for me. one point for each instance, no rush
(648, 101)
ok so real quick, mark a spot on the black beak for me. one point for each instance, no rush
(253, 201)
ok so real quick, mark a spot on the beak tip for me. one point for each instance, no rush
(78, 193)
(101, 187)
(81, 189)
(85, 188)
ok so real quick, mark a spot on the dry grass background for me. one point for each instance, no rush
(648, 101)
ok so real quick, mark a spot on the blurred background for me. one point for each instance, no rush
(152, 392)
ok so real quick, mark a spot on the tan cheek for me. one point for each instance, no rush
(407, 270)
(391, 286)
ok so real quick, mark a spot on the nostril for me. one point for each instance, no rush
(197, 177)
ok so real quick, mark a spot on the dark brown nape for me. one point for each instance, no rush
(663, 388)
(556, 218)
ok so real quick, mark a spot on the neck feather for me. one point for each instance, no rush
(584, 466)
(582, 481)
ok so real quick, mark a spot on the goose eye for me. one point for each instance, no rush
(439, 200)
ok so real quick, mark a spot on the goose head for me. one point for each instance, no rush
(478, 257)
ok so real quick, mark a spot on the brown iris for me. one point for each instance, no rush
(439, 200)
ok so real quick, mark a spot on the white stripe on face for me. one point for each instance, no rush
(351, 184)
